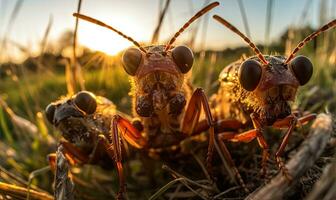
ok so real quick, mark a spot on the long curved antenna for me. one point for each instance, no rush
(191, 20)
(100, 23)
(324, 28)
(246, 39)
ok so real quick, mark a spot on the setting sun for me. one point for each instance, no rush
(101, 39)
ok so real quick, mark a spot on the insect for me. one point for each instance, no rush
(257, 91)
(84, 121)
(166, 109)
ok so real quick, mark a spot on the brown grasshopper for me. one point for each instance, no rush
(160, 94)
(84, 121)
(257, 91)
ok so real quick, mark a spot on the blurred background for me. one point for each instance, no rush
(44, 55)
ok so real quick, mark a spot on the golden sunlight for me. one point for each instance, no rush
(101, 39)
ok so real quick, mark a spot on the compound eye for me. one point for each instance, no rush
(249, 74)
(183, 57)
(131, 60)
(86, 101)
(50, 112)
(302, 68)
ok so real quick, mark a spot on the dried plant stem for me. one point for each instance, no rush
(20, 192)
(244, 16)
(76, 70)
(268, 24)
(165, 188)
(156, 33)
(325, 188)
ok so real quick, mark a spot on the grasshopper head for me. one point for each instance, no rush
(68, 115)
(275, 84)
(158, 75)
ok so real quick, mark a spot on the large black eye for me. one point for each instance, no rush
(50, 112)
(131, 60)
(302, 68)
(249, 74)
(183, 58)
(86, 101)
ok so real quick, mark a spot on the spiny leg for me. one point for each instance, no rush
(73, 154)
(114, 150)
(290, 121)
(262, 143)
(198, 101)
(284, 123)
(228, 158)
(220, 127)
(248, 136)
(265, 153)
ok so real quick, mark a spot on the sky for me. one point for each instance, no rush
(138, 18)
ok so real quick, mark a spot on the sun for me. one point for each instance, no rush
(100, 39)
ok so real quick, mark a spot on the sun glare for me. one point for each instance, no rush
(101, 39)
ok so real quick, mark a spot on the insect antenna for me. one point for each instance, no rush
(191, 20)
(309, 38)
(246, 39)
(100, 23)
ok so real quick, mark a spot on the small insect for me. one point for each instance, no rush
(166, 109)
(258, 91)
(84, 121)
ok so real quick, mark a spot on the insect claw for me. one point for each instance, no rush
(284, 169)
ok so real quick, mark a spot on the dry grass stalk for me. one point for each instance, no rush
(76, 68)
(244, 16)
(156, 33)
(325, 188)
(17, 192)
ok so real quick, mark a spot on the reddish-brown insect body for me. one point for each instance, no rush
(258, 90)
(166, 108)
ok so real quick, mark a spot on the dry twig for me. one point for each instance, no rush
(305, 158)
(325, 188)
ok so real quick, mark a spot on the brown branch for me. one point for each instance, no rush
(325, 188)
(305, 158)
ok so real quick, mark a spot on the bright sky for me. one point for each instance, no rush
(138, 18)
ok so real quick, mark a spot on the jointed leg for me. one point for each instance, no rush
(290, 122)
(73, 154)
(284, 123)
(248, 136)
(114, 149)
(265, 153)
(230, 161)
(198, 101)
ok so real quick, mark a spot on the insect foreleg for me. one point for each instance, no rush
(73, 154)
(290, 121)
(284, 123)
(198, 101)
(114, 149)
